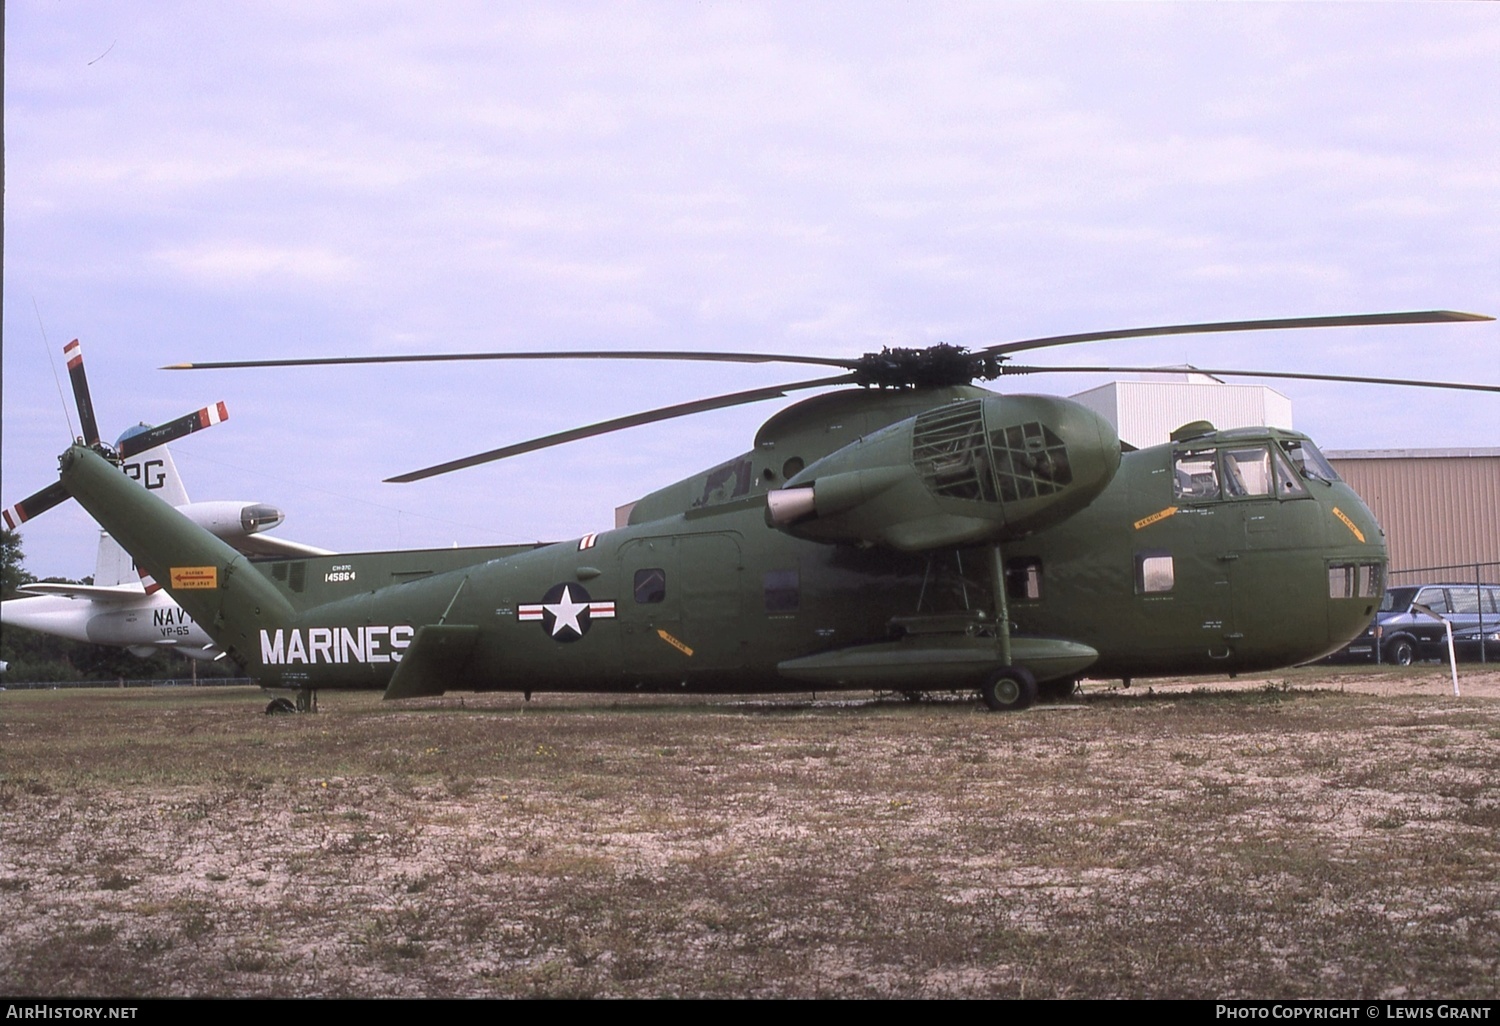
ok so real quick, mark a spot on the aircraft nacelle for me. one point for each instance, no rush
(977, 470)
(233, 520)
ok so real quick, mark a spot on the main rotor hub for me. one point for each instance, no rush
(936, 366)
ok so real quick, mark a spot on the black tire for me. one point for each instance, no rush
(279, 706)
(1059, 689)
(1400, 652)
(1009, 690)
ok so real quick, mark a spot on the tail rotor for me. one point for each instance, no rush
(90, 427)
(54, 494)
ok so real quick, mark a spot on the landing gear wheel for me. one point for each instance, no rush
(1400, 652)
(1009, 690)
(280, 705)
(1059, 689)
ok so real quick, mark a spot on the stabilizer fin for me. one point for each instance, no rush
(436, 658)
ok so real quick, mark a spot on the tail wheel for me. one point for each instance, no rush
(1009, 690)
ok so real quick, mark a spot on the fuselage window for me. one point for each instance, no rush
(650, 586)
(1154, 573)
(1195, 477)
(1341, 581)
(783, 591)
(1370, 580)
(1023, 579)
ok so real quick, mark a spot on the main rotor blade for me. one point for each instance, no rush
(35, 505)
(1406, 382)
(577, 354)
(73, 352)
(1346, 321)
(619, 423)
(174, 429)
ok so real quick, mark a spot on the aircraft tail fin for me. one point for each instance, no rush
(218, 587)
(153, 469)
(113, 564)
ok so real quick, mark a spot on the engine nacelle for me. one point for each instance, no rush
(978, 470)
(232, 521)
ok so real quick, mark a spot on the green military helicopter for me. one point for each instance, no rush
(913, 533)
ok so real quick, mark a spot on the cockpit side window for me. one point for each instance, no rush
(1247, 472)
(1288, 483)
(1195, 476)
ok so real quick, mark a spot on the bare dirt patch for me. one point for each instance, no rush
(1318, 832)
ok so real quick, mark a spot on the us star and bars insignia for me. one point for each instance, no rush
(565, 612)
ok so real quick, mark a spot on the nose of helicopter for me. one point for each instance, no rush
(1357, 560)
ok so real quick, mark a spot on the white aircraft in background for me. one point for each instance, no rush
(123, 608)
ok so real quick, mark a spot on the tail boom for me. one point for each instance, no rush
(219, 588)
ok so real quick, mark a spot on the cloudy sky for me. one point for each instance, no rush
(222, 181)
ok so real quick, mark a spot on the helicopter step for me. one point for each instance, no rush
(937, 661)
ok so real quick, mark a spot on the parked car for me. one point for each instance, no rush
(1478, 642)
(1401, 634)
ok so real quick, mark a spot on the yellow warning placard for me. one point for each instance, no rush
(195, 577)
(679, 646)
(1155, 517)
(1348, 523)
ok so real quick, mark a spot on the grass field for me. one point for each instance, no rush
(1321, 833)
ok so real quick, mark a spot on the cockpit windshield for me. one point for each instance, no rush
(1254, 470)
(1310, 463)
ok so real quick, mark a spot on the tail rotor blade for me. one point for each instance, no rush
(174, 429)
(90, 427)
(35, 505)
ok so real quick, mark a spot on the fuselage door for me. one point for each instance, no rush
(682, 615)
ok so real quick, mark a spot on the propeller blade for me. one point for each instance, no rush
(1346, 321)
(174, 429)
(1408, 382)
(577, 354)
(619, 423)
(35, 505)
(73, 352)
